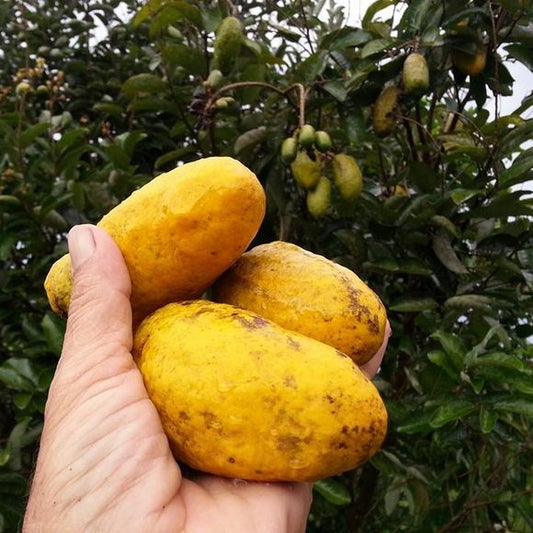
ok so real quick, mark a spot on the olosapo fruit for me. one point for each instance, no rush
(306, 136)
(241, 397)
(214, 80)
(289, 149)
(318, 200)
(468, 63)
(178, 233)
(415, 74)
(323, 141)
(309, 294)
(306, 170)
(227, 46)
(347, 176)
(386, 111)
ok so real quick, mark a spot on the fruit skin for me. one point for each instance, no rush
(415, 74)
(309, 294)
(306, 136)
(318, 200)
(347, 176)
(215, 79)
(239, 396)
(305, 170)
(178, 233)
(470, 64)
(289, 149)
(323, 141)
(227, 44)
(385, 113)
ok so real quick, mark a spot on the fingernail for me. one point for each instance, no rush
(81, 245)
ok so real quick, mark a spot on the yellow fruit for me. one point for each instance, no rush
(400, 190)
(468, 63)
(23, 88)
(227, 44)
(241, 397)
(306, 171)
(415, 74)
(319, 199)
(178, 233)
(385, 112)
(347, 176)
(307, 293)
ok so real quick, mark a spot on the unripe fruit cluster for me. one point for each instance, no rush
(308, 152)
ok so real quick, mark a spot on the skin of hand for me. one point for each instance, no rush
(104, 463)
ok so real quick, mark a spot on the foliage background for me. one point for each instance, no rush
(452, 260)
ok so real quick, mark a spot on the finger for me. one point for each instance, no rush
(99, 322)
(371, 367)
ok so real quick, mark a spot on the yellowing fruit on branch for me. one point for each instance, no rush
(415, 74)
(347, 176)
(386, 111)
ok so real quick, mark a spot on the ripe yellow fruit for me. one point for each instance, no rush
(386, 111)
(178, 233)
(400, 190)
(306, 170)
(307, 293)
(318, 200)
(468, 63)
(239, 396)
(347, 176)
(415, 74)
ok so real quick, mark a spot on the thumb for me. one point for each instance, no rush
(99, 323)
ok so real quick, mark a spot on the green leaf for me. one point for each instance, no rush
(446, 224)
(392, 497)
(190, 59)
(29, 135)
(374, 47)
(452, 345)
(470, 301)
(415, 14)
(487, 419)
(459, 196)
(519, 171)
(442, 360)
(414, 304)
(521, 407)
(345, 38)
(443, 249)
(451, 411)
(53, 331)
(140, 84)
(333, 491)
(109, 109)
(336, 89)
(249, 139)
(373, 9)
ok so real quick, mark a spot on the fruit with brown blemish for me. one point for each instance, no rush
(240, 396)
(309, 294)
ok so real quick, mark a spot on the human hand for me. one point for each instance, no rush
(104, 462)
